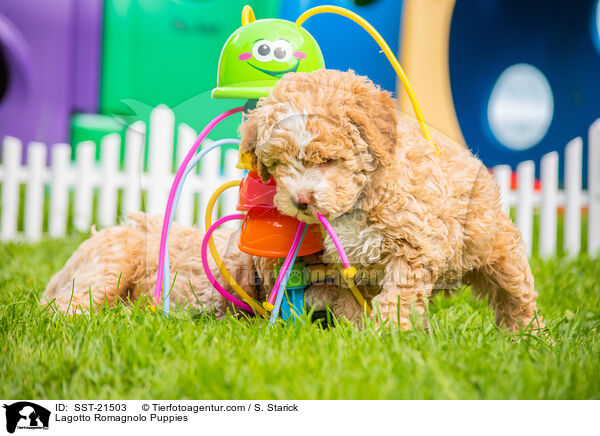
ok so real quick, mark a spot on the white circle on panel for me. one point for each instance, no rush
(521, 107)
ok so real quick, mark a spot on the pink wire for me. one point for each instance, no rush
(336, 240)
(209, 274)
(287, 262)
(165, 229)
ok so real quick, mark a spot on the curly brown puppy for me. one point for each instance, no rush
(120, 264)
(414, 221)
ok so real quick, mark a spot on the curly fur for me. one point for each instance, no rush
(120, 264)
(415, 221)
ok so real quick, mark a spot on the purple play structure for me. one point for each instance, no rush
(49, 66)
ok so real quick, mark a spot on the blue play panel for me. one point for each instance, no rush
(525, 75)
(345, 44)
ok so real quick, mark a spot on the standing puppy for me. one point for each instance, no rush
(413, 221)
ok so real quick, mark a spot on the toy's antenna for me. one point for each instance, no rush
(247, 15)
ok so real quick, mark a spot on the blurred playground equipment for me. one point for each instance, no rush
(77, 70)
(513, 80)
(49, 66)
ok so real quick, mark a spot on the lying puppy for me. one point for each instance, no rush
(119, 264)
(413, 221)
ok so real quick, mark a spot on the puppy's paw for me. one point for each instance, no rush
(383, 319)
(64, 305)
(404, 317)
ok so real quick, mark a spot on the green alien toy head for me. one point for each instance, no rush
(259, 53)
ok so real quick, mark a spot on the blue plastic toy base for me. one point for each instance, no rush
(293, 303)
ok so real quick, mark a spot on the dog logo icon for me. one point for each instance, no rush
(26, 415)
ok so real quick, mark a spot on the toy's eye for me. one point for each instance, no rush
(263, 51)
(279, 53)
(282, 50)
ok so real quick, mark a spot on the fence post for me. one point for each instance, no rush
(59, 193)
(10, 186)
(525, 179)
(594, 188)
(185, 209)
(85, 153)
(549, 179)
(230, 197)
(502, 175)
(160, 158)
(134, 157)
(34, 193)
(210, 180)
(107, 203)
(572, 227)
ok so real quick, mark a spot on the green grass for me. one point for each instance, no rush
(126, 353)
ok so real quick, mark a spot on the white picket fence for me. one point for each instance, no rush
(85, 176)
(551, 201)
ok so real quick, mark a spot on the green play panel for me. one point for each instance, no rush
(167, 52)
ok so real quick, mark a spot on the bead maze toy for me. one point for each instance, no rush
(253, 59)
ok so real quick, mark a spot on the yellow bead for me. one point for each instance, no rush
(349, 273)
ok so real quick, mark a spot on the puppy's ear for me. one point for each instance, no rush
(373, 112)
(249, 133)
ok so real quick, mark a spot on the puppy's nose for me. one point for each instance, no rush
(302, 200)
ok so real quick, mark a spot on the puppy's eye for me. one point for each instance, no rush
(326, 162)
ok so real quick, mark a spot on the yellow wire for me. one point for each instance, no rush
(386, 50)
(354, 289)
(215, 254)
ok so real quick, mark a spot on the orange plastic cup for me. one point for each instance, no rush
(267, 233)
